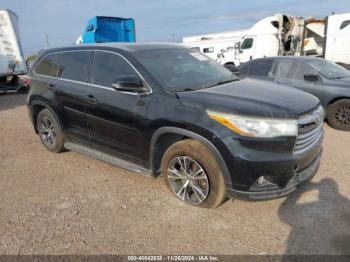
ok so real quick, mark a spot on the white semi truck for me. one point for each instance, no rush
(12, 62)
(281, 34)
(217, 45)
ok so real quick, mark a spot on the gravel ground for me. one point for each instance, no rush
(71, 204)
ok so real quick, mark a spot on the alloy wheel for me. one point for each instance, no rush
(47, 132)
(342, 114)
(188, 180)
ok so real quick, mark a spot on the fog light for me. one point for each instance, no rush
(261, 180)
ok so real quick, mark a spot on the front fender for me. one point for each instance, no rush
(179, 131)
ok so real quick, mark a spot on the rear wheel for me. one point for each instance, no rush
(192, 173)
(338, 114)
(50, 131)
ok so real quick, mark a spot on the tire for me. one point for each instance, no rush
(208, 180)
(50, 131)
(338, 114)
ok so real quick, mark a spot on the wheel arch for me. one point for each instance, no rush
(36, 107)
(332, 101)
(177, 134)
(335, 99)
(230, 63)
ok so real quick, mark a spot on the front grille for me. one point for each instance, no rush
(309, 130)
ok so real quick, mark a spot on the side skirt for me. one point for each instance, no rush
(107, 158)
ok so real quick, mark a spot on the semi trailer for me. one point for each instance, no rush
(12, 62)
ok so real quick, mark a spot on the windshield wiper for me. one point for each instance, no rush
(226, 81)
(338, 77)
(186, 89)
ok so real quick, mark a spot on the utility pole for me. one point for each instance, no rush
(47, 41)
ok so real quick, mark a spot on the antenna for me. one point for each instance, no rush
(47, 41)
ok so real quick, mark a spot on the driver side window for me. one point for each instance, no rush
(108, 67)
(304, 70)
(247, 43)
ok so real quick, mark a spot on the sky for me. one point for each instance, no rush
(156, 20)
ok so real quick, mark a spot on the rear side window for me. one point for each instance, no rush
(287, 69)
(260, 68)
(208, 50)
(68, 65)
(108, 67)
(74, 65)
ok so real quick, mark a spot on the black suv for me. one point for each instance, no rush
(163, 109)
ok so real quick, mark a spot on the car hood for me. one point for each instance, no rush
(252, 97)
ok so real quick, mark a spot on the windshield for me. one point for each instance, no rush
(182, 69)
(328, 69)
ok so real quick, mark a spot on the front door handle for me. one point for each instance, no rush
(91, 99)
(51, 86)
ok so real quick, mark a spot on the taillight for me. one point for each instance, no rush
(26, 80)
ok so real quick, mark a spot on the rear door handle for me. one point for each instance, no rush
(51, 86)
(91, 99)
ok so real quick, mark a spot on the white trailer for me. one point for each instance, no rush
(12, 62)
(217, 46)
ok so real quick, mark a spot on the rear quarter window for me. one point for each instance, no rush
(46, 66)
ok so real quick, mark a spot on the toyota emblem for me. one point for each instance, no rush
(317, 116)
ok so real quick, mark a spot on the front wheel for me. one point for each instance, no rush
(192, 173)
(338, 114)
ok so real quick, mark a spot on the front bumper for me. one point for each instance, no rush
(270, 190)
(282, 169)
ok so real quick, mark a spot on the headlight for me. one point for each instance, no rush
(256, 127)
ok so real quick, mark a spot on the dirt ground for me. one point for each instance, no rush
(71, 204)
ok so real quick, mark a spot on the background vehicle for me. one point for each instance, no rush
(104, 29)
(162, 108)
(12, 62)
(282, 34)
(324, 79)
(217, 45)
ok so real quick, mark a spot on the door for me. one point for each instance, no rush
(67, 76)
(312, 87)
(116, 120)
(246, 51)
(291, 72)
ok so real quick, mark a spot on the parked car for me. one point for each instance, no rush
(163, 109)
(322, 78)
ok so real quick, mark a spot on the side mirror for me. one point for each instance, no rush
(311, 78)
(131, 84)
(232, 68)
